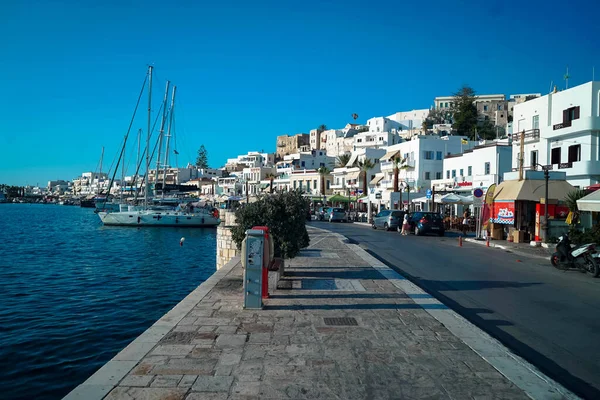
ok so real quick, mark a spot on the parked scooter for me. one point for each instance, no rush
(585, 258)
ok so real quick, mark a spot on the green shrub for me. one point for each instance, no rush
(590, 236)
(284, 214)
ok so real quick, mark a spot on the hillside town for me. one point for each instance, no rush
(526, 146)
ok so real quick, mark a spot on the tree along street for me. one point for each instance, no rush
(549, 317)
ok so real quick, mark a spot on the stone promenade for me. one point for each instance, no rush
(342, 329)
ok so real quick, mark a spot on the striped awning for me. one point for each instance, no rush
(389, 155)
(353, 175)
(376, 180)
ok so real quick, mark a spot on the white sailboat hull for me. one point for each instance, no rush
(158, 218)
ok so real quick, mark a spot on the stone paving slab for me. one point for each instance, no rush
(396, 349)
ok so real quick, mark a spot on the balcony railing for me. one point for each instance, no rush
(531, 135)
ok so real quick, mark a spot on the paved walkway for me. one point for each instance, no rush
(347, 328)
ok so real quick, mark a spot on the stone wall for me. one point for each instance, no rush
(226, 247)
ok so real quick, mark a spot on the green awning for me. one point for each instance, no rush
(338, 198)
(264, 185)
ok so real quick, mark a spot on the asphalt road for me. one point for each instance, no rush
(549, 317)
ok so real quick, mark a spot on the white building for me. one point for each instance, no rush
(410, 122)
(423, 161)
(230, 185)
(338, 141)
(309, 181)
(251, 160)
(348, 177)
(447, 102)
(562, 130)
(175, 176)
(90, 183)
(479, 166)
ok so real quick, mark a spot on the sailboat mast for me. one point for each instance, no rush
(172, 108)
(162, 131)
(148, 134)
(100, 173)
(135, 179)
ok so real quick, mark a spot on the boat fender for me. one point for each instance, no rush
(139, 219)
(181, 241)
(202, 219)
(216, 213)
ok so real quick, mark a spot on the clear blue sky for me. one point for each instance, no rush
(247, 71)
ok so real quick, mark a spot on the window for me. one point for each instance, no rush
(438, 155)
(302, 163)
(574, 153)
(485, 108)
(499, 107)
(428, 155)
(448, 174)
(454, 173)
(381, 138)
(438, 175)
(535, 122)
(487, 168)
(570, 114)
(462, 172)
(315, 183)
(300, 184)
(555, 156)
(446, 105)
(534, 158)
(328, 184)
(470, 171)
(295, 184)
(427, 176)
(358, 140)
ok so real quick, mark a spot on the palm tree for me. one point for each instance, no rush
(322, 128)
(354, 116)
(571, 202)
(323, 171)
(271, 178)
(342, 160)
(364, 167)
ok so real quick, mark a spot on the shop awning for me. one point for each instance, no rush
(531, 190)
(376, 180)
(352, 175)
(591, 202)
(390, 155)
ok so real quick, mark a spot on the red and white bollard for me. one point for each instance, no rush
(487, 241)
(460, 241)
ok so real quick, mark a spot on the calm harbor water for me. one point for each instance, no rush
(74, 293)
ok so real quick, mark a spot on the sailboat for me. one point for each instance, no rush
(129, 215)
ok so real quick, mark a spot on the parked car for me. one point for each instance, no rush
(388, 219)
(338, 214)
(323, 213)
(422, 222)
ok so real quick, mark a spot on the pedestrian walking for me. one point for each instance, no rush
(405, 225)
(465, 224)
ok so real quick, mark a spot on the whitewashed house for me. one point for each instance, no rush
(561, 129)
(478, 166)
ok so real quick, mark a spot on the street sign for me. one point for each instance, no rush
(478, 192)
(547, 167)
(378, 196)
(477, 197)
(428, 194)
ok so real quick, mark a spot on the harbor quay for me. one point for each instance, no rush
(339, 325)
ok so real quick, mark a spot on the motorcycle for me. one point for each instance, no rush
(585, 258)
